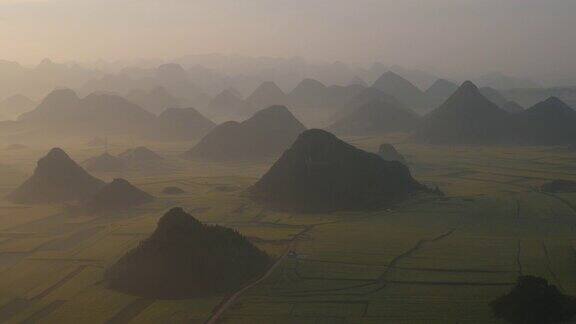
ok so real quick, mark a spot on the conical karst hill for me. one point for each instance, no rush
(57, 178)
(321, 173)
(185, 258)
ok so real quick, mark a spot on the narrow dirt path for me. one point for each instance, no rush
(393, 264)
(234, 298)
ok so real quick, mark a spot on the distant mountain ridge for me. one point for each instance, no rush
(62, 110)
(469, 117)
(180, 124)
(550, 122)
(376, 117)
(265, 134)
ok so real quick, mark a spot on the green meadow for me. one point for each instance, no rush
(428, 260)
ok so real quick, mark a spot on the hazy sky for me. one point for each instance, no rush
(514, 36)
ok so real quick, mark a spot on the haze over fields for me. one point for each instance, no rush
(528, 38)
(287, 161)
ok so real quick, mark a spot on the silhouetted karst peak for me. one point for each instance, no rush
(56, 155)
(62, 112)
(61, 96)
(550, 122)
(185, 258)
(442, 88)
(181, 124)
(16, 105)
(57, 178)
(465, 117)
(266, 134)
(308, 87)
(308, 96)
(468, 86)
(267, 94)
(269, 87)
(321, 173)
(57, 101)
(389, 153)
(276, 117)
(553, 104)
(117, 195)
(407, 93)
(228, 105)
(171, 71)
(104, 162)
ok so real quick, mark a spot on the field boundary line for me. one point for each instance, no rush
(234, 297)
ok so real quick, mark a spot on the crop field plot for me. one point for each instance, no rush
(428, 260)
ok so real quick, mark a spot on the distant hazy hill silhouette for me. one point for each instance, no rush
(180, 124)
(266, 134)
(184, 258)
(308, 94)
(64, 112)
(321, 173)
(266, 95)
(494, 95)
(228, 105)
(117, 195)
(15, 105)
(549, 122)
(389, 153)
(175, 80)
(104, 162)
(332, 101)
(377, 117)
(407, 93)
(512, 107)
(440, 90)
(467, 117)
(58, 103)
(500, 81)
(139, 154)
(57, 178)
(362, 98)
(358, 81)
(338, 96)
(155, 100)
(530, 97)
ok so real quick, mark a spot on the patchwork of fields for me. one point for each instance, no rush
(430, 260)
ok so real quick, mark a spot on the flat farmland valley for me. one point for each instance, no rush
(429, 259)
